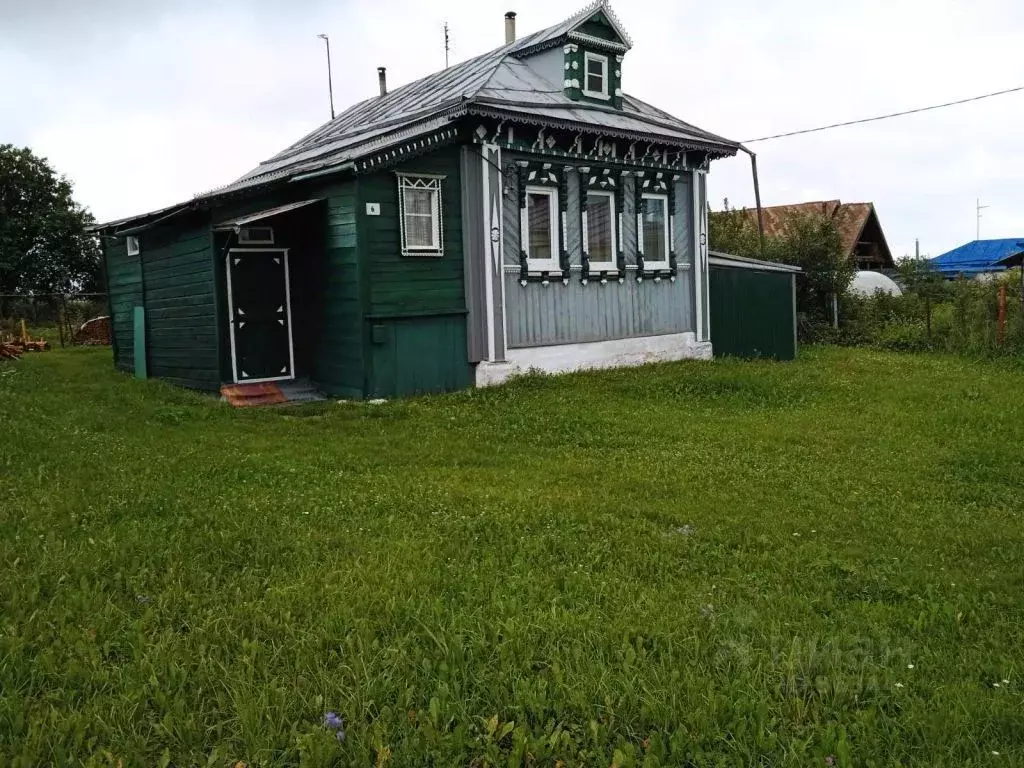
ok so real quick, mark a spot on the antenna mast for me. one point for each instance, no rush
(447, 47)
(978, 211)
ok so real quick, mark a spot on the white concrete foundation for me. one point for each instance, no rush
(615, 353)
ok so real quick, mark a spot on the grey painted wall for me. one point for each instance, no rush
(539, 315)
(474, 257)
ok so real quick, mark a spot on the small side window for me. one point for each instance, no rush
(595, 76)
(419, 202)
(133, 245)
(256, 236)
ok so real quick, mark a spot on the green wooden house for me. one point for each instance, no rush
(514, 211)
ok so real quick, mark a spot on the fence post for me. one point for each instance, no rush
(1001, 331)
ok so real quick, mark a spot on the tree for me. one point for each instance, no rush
(809, 241)
(917, 276)
(44, 245)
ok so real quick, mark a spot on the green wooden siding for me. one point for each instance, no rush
(348, 277)
(181, 317)
(752, 313)
(417, 355)
(416, 306)
(404, 284)
(338, 354)
(124, 281)
(598, 26)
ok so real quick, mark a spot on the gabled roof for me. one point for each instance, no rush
(851, 219)
(570, 28)
(978, 256)
(501, 83)
(497, 80)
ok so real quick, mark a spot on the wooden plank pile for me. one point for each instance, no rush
(14, 348)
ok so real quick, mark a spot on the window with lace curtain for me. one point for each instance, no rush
(419, 199)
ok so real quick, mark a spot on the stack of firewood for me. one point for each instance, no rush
(95, 331)
(9, 352)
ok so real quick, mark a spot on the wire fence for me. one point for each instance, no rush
(970, 317)
(60, 318)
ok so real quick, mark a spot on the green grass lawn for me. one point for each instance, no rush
(688, 564)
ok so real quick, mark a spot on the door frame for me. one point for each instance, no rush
(288, 314)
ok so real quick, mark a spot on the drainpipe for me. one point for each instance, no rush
(757, 196)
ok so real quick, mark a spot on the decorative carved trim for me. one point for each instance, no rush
(402, 152)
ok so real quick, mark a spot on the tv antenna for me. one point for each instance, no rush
(447, 47)
(978, 209)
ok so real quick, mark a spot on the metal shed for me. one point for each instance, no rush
(753, 307)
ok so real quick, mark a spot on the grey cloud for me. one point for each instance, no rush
(145, 103)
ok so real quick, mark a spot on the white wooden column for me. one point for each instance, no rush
(699, 258)
(701, 225)
(494, 282)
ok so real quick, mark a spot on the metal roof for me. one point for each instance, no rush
(566, 27)
(742, 262)
(1014, 259)
(496, 79)
(977, 256)
(494, 82)
(268, 213)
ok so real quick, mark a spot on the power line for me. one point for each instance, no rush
(886, 117)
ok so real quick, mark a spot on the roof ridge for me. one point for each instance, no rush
(566, 26)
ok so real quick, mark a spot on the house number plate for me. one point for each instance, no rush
(373, 209)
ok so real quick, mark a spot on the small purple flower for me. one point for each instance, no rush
(332, 721)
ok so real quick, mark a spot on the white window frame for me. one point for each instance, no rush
(541, 265)
(602, 266)
(651, 265)
(430, 182)
(133, 245)
(587, 58)
(249, 236)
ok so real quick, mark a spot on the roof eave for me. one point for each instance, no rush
(495, 109)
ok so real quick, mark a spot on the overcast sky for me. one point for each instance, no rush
(144, 103)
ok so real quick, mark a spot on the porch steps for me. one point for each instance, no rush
(270, 393)
(300, 391)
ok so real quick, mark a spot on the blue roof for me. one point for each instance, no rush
(978, 256)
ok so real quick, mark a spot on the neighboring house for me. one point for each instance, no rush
(858, 225)
(514, 211)
(979, 257)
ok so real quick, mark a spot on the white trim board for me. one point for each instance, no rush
(751, 264)
(613, 353)
(288, 315)
(599, 58)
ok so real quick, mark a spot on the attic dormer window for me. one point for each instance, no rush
(595, 82)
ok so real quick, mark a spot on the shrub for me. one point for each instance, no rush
(960, 317)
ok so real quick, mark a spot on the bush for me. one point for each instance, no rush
(960, 317)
